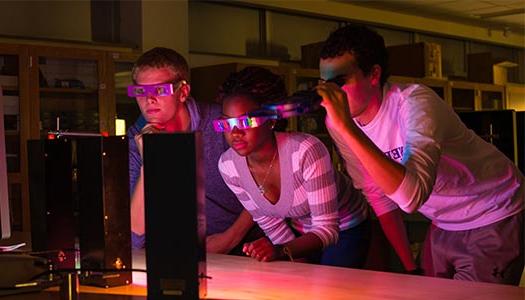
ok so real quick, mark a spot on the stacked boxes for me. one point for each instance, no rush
(415, 60)
(482, 67)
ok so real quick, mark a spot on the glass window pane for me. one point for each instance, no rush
(216, 28)
(68, 95)
(394, 37)
(491, 100)
(304, 30)
(11, 108)
(452, 55)
(502, 53)
(127, 107)
(463, 99)
(497, 51)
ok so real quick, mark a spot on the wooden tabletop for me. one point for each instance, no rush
(236, 277)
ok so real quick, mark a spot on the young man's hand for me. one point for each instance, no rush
(221, 243)
(149, 128)
(262, 250)
(336, 104)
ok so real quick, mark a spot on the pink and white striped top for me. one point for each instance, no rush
(314, 198)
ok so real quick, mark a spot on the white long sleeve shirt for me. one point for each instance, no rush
(452, 176)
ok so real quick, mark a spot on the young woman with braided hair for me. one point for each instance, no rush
(286, 180)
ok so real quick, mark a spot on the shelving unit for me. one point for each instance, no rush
(300, 79)
(119, 67)
(440, 86)
(70, 91)
(515, 96)
(42, 83)
(15, 86)
(462, 95)
(472, 96)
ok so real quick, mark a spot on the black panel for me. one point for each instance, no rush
(175, 220)
(79, 188)
(494, 126)
(103, 185)
(51, 200)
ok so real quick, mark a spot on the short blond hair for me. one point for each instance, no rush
(160, 57)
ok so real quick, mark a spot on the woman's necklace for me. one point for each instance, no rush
(261, 186)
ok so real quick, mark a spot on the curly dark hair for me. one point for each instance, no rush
(256, 83)
(367, 46)
(160, 57)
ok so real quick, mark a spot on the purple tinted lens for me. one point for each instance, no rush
(164, 89)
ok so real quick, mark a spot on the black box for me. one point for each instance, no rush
(53, 219)
(79, 191)
(415, 60)
(310, 55)
(175, 216)
(497, 127)
(483, 67)
(104, 227)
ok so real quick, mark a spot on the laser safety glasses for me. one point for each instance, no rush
(242, 122)
(154, 90)
(299, 103)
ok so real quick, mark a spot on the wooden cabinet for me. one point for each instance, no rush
(440, 86)
(50, 86)
(483, 108)
(14, 81)
(515, 99)
(119, 69)
(313, 123)
(469, 96)
(462, 95)
(68, 90)
(515, 96)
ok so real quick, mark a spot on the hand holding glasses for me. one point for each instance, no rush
(302, 102)
(297, 104)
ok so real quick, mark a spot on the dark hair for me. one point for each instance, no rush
(367, 46)
(160, 57)
(256, 83)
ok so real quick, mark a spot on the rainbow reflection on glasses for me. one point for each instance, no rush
(242, 122)
(154, 90)
(302, 102)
